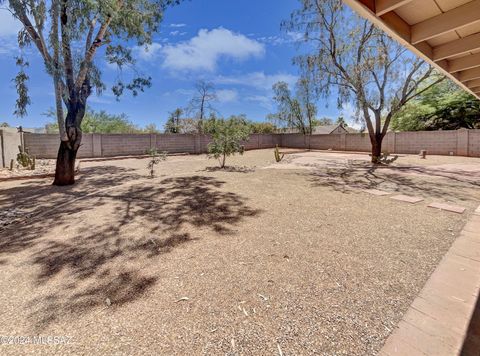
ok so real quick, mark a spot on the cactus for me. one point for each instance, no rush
(24, 159)
(278, 155)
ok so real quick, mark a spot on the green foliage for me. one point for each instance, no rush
(155, 158)
(151, 128)
(278, 156)
(227, 138)
(341, 121)
(262, 127)
(69, 35)
(25, 159)
(173, 124)
(103, 122)
(441, 107)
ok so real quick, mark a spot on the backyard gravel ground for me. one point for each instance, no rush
(252, 260)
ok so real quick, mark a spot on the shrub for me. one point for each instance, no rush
(227, 138)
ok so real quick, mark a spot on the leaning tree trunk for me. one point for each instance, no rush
(376, 140)
(67, 152)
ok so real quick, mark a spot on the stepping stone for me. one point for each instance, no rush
(407, 199)
(453, 208)
(376, 192)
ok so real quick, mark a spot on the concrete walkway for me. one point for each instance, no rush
(445, 319)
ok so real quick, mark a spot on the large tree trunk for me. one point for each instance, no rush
(65, 169)
(67, 152)
(376, 140)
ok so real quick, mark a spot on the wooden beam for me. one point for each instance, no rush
(451, 20)
(384, 6)
(469, 74)
(423, 50)
(473, 83)
(467, 62)
(457, 47)
(475, 90)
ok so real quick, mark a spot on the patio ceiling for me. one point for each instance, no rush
(445, 33)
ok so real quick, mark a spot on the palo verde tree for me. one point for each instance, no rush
(227, 137)
(365, 66)
(69, 35)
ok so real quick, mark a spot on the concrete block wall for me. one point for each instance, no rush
(9, 142)
(461, 142)
(435, 142)
(473, 143)
(326, 142)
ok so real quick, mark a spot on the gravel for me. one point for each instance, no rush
(247, 261)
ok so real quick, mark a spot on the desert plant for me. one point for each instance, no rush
(155, 158)
(25, 159)
(278, 156)
(386, 158)
(227, 137)
(12, 161)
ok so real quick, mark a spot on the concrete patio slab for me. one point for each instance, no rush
(376, 192)
(407, 199)
(439, 320)
(453, 208)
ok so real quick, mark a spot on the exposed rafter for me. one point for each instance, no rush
(451, 20)
(474, 83)
(384, 6)
(469, 74)
(446, 57)
(467, 62)
(457, 47)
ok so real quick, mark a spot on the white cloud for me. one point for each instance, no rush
(203, 51)
(258, 80)
(226, 95)
(174, 33)
(9, 26)
(177, 25)
(262, 100)
(148, 52)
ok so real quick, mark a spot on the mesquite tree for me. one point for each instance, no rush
(69, 35)
(361, 62)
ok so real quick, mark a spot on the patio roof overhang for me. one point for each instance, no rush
(446, 33)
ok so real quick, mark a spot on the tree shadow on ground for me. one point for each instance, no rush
(105, 244)
(231, 169)
(430, 182)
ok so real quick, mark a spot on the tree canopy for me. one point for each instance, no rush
(69, 35)
(441, 107)
(227, 137)
(295, 110)
(349, 56)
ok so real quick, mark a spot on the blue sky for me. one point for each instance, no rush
(237, 45)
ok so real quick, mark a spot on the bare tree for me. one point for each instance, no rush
(361, 62)
(201, 103)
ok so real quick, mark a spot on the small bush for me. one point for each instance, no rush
(155, 158)
(227, 138)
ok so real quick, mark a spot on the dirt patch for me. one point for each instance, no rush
(206, 261)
